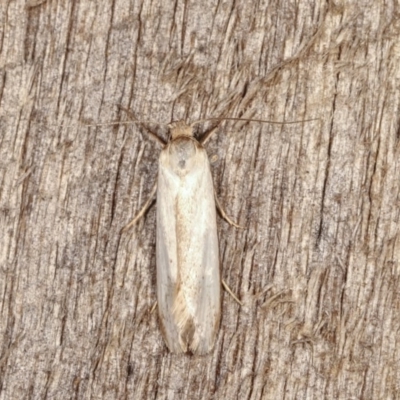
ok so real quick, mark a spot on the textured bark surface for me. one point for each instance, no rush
(317, 266)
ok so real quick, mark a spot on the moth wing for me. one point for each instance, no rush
(166, 256)
(188, 275)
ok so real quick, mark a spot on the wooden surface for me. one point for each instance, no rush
(317, 265)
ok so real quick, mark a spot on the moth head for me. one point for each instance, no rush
(180, 128)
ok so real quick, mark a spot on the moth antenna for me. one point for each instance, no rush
(132, 117)
(109, 123)
(208, 135)
(152, 135)
(253, 120)
(136, 121)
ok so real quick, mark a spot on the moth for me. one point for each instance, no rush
(187, 250)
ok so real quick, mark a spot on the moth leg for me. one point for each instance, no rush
(226, 287)
(223, 213)
(151, 134)
(143, 210)
(154, 307)
(208, 135)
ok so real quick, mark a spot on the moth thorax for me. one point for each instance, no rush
(182, 152)
(180, 128)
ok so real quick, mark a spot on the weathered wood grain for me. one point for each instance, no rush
(317, 266)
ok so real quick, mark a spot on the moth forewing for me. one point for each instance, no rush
(188, 272)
